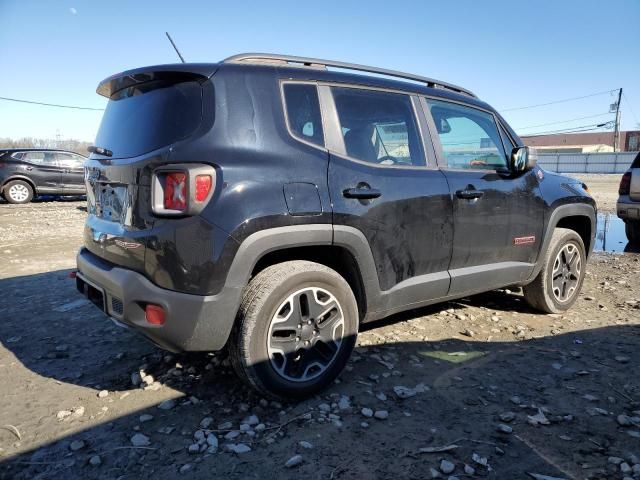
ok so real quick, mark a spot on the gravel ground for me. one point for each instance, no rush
(478, 388)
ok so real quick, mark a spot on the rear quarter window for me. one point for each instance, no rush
(636, 161)
(303, 112)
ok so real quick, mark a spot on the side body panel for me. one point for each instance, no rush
(46, 176)
(408, 227)
(501, 231)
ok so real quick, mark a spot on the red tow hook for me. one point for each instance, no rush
(73, 274)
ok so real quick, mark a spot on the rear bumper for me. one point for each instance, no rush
(628, 209)
(192, 322)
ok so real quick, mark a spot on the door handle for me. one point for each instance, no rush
(469, 194)
(361, 193)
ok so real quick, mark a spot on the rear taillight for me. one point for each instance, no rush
(182, 189)
(625, 184)
(175, 191)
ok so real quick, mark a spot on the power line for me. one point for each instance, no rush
(630, 109)
(559, 101)
(50, 104)
(562, 132)
(583, 128)
(565, 121)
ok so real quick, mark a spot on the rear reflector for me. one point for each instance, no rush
(154, 314)
(203, 187)
(175, 191)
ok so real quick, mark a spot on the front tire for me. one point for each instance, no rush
(295, 329)
(18, 191)
(558, 284)
(632, 230)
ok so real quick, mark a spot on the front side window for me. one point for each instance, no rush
(378, 127)
(469, 137)
(303, 112)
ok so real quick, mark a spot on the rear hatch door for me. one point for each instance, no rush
(149, 110)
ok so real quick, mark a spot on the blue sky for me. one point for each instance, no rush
(509, 53)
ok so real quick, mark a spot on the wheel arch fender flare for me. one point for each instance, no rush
(263, 242)
(560, 212)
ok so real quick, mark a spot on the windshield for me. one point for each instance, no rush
(145, 117)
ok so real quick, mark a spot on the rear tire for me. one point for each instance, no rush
(632, 229)
(558, 284)
(295, 329)
(18, 191)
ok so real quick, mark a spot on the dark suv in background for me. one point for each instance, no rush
(26, 173)
(269, 206)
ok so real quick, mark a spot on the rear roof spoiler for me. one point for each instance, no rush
(177, 72)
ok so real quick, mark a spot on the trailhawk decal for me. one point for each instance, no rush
(127, 245)
(528, 240)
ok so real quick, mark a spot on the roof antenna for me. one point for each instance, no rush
(174, 46)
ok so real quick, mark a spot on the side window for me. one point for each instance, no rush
(303, 112)
(37, 158)
(67, 160)
(469, 136)
(378, 127)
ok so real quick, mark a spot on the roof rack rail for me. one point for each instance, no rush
(319, 63)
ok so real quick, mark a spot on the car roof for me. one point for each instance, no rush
(334, 76)
(14, 150)
(300, 68)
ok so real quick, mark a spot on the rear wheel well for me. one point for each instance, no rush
(23, 179)
(579, 224)
(336, 258)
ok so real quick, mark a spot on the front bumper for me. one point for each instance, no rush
(192, 322)
(628, 209)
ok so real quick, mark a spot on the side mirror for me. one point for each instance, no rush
(523, 159)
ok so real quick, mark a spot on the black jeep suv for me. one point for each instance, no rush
(26, 173)
(268, 206)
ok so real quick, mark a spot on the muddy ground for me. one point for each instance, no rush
(495, 390)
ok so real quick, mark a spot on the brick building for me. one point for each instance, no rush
(583, 142)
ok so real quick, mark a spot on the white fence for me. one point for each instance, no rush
(586, 162)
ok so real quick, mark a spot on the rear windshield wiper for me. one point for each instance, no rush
(100, 151)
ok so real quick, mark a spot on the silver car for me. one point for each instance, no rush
(628, 206)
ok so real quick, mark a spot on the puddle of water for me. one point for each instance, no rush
(453, 357)
(610, 236)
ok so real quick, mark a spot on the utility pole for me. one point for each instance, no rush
(616, 135)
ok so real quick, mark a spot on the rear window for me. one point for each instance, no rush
(149, 116)
(636, 162)
(37, 158)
